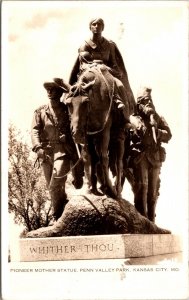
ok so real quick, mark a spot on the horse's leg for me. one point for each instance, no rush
(112, 155)
(87, 166)
(126, 155)
(94, 162)
(102, 150)
(119, 162)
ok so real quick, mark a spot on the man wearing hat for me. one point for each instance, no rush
(148, 132)
(53, 143)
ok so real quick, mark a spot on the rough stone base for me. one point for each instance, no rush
(98, 247)
(98, 215)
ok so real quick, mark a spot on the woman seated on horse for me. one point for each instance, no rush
(97, 50)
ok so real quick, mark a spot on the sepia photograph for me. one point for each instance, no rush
(94, 155)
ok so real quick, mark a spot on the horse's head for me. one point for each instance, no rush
(88, 104)
(77, 102)
(78, 111)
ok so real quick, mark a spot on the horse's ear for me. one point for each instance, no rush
(84, 99)
(67, 100)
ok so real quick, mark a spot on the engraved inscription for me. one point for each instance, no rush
(58, 249)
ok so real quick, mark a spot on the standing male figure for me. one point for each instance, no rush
(148, 131)
(53, 143)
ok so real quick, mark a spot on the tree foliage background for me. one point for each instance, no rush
(29, 200)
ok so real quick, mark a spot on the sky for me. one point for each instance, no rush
(41, 40)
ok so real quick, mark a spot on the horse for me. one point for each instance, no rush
(90, 105)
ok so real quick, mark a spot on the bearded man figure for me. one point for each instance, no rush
(147, 133)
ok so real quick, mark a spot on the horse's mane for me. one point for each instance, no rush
(100, 76)
(101, 73)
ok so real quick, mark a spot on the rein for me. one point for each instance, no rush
(59, 177)
(80, 158)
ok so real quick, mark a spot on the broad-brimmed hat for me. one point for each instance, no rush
(58, 84)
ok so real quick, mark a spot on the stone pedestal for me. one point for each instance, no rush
(98, 247)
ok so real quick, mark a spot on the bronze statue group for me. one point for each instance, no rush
(99, 127)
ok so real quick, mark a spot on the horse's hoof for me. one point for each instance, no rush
(97, 193)
(110, 193)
